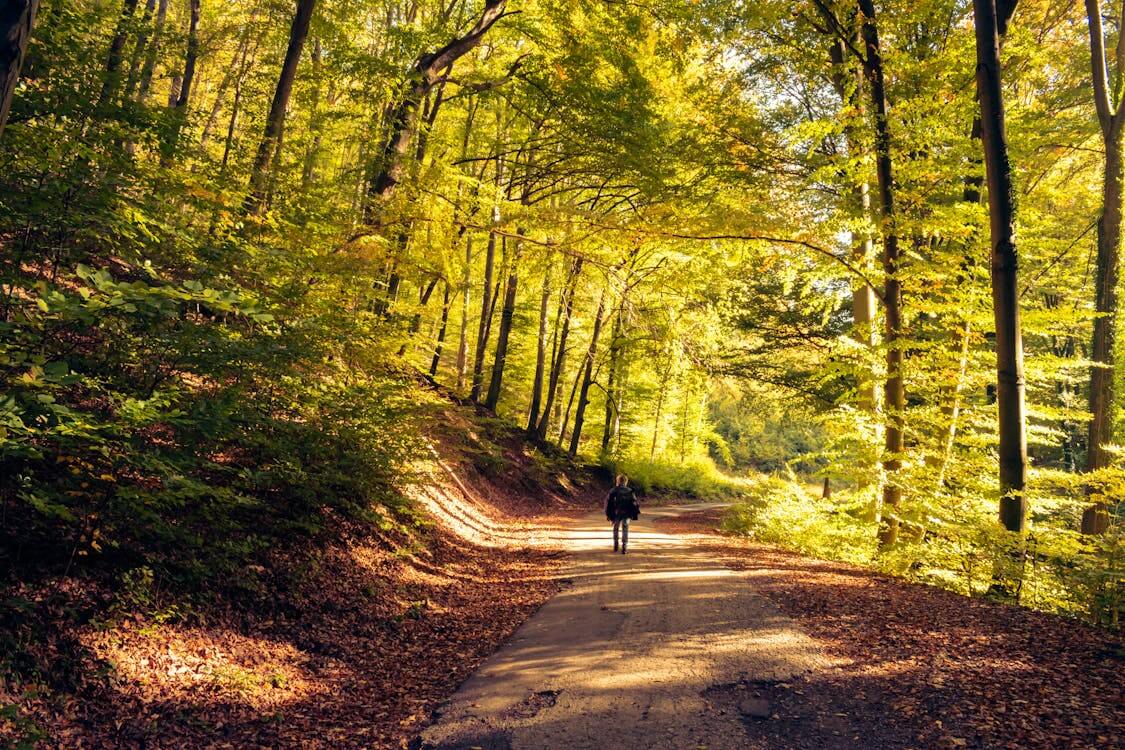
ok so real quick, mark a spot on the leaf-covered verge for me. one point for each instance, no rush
(948, 671)
(345, 632)
(1059, 570)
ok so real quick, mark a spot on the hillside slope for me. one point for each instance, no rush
(351, 639)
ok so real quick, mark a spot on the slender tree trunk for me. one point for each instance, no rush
(558, 365)
(180, 107)
(1005, 288)
(463, 341)
(1107, 102)
(17, 18)
(275, 121)
(112, 77)
(139, 48)
(540, 350)
(507, 314)
(234, 73)
(612, 418)
(436, 361)
(587, 379)
(145, 85)
(894, 392)
(486, 307)
(660, 395)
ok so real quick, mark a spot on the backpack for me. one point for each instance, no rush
(626, 503)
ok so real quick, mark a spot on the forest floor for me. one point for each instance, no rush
(693, 640)
(698, 641)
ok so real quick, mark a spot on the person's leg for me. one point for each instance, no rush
(624, 534)
(616, 523)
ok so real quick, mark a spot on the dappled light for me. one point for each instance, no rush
(535, 374)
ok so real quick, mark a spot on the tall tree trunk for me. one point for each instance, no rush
(848, 81)
(661, 394)
(463, 340)
(486, 307)
(145, 85)
(558, 361)
(894, 392)
(233, 73)
(540, 350)
(139, 50)
(275, 121)
(17, 18)
(507, 314)
(990, 25)
(440, 345)
(1107, 101)
(587, 379)
(612, 401)
(423, 76)
(180, 107)
(113, 59)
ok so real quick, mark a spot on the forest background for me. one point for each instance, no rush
(729, 248)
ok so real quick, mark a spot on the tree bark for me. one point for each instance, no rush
(587, 379)
(894, 392)
(1107, 102)
(558, 364)
(990, 25)
(139, 50)
(440, 345)
(17, 18)
(145, 85)
(486, 307)
(113, 58)
(423, 76)
(540, 350)
(612, 401)
(180, 107)
(275, 121)
(507, 313)
(463, 342)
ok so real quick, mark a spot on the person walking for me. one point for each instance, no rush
(620, 508)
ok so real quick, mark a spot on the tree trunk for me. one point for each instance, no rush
(436, 361)
(507, 313)
(1004, 259)
(17, 17)
(612, 402)
(423, 76)
(180, 107)
(486, 307)
(139, 50)
(1107, 101)
(587, 379)
(463, 342)
(663, 390)
(566, 309)
(894, 392)
(540, 350)
(145, 85)
(275, 121)
(113, 58)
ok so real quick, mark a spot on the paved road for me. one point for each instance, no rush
(646, 650)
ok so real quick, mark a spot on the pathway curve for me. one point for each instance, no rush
(656, 649)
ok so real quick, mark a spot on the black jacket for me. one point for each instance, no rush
(621, 503)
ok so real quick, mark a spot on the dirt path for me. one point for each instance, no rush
(666, 647)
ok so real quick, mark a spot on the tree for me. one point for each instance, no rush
(991, 19)
(423, 76)
(1111, 122)
(17, 18)
(275, 120)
